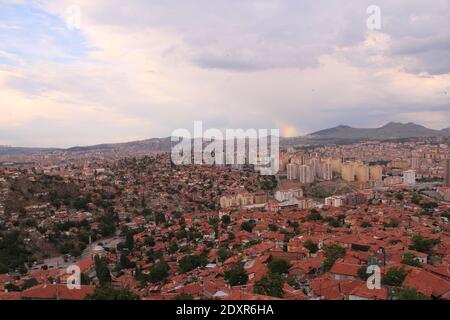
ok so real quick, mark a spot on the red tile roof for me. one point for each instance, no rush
(57, 291)
(344, 268)
(427, 283)
(363, 291)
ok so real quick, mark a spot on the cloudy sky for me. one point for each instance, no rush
(143, 68)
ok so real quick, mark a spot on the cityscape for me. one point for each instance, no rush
(149, 229)
(346, 198)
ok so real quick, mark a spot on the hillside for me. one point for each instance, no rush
(392, 130)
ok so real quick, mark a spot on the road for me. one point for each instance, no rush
(59, 263)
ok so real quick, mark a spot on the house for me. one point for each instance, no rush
(362, 292)
(343, 270)
(427, 283)
(301, 269)
(56, 292)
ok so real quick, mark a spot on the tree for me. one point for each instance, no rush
(190, 262)
(125, 263)
(226, 220)
(183, 296)
(13, 252)
(159, 271)
(29, 283)
(248, 225)
(399, 196)
(332, 252)
(410, 260)
(279, 266)
(149, 241)
(107, 224)
(365, 224)
(293, 224)
(129, 241)
(394, 277)
(429, 206)
(416, 199)
(223, 253)
(334, 223)
(423, 245)
(173, 247)
(213, 221)
(362, 273)
(311, 246)
(271, 285)
(409, 294)
(393, 223)
(81, 203)
(236, 277)
(314, 215)
(160, 218)
(3, 268)
(102, 271)
(110, 293)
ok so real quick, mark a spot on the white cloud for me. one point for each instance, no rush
(156, 67)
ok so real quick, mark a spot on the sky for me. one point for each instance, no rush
(82, 72)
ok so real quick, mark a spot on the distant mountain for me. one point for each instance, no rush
(155, 144)
(339, 134)
(392, 130)
(446, 131)
(17, 150)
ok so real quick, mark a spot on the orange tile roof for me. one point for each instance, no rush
(344, 268)
(363, 291)
(427, 283)
(57, 291)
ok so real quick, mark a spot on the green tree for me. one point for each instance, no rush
(410, 260)
(102, 271)
(226, 220)
(393, 223)
(3, 268)
(423, 245)
(311, 246)
(362, 273)
(12, 287)
(365, 224)
(190, 262)
(173, 247)
(110, 293)
(271, 285)
(409, 294)
(332, 252)
(13, 251)
(223, 253)
(183, 297)
(394, 277)
(29, 283)
(314, 215)
(248, 225)
(236, 277)
(279, 266)
(149, 241)
(399, 196)
(159, 271)
(416, 199)
(129, 241)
